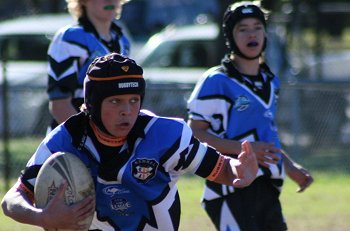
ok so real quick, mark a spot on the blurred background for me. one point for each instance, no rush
(176, 41)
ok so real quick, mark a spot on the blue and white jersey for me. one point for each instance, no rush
(135, 184)
(70, 53)
(239, 108)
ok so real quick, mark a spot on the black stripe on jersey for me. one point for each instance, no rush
(109, 221)
(67, 85)
(144, 220)
(221, 129)
(76, 125)
(170, 152)
(229, 69)
(186, 156)
(60, 67)
(175, 211)
(28, 174)
(138, 130)
(265, 170)
(152, 218)
(195, 145)
(208, 163)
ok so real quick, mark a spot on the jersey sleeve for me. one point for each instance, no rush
(64, 55)
(209, 101)
(188, 154)
(29, 174)
(57, 140)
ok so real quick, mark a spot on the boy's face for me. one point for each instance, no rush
(103, 10)
(249, 35)
(119, 113)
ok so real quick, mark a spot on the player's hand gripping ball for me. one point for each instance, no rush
(60, 167)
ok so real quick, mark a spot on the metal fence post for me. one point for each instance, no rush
(5, 120)
(296, 123)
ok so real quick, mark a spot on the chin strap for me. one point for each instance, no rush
(105, 139)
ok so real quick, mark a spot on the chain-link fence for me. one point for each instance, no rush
(311, 115)
(312, 118)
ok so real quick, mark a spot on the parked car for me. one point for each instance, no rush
(194, 48)
(23, 61)
(173, 60)
(180, 54)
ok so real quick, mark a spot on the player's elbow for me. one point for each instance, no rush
(5, 206)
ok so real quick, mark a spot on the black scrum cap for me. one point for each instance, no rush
(109, 75)
(235, 13)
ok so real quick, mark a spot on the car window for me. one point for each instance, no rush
(161, 57)
(183, 53)
(24, 48)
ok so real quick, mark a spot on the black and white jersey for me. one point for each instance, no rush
(240, 108)
(72, 50)
(135, 184)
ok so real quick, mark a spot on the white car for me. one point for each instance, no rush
(24, 42)
(23, 62)
(173, 60)
(180, 54)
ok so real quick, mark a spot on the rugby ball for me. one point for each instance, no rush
(59, 167)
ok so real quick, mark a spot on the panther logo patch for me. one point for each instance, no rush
(144, 169)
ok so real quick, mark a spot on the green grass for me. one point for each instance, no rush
(322, 207)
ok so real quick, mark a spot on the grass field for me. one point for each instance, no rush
(322, 207)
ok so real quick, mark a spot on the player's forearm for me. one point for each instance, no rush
(16, 206)
(289, 164)
(224, 146)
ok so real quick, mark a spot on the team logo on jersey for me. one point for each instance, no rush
(144, 169)
(241, 103)
(121, 205)
(112, 190)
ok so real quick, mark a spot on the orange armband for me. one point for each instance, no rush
(215, 172)
(21, 187)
